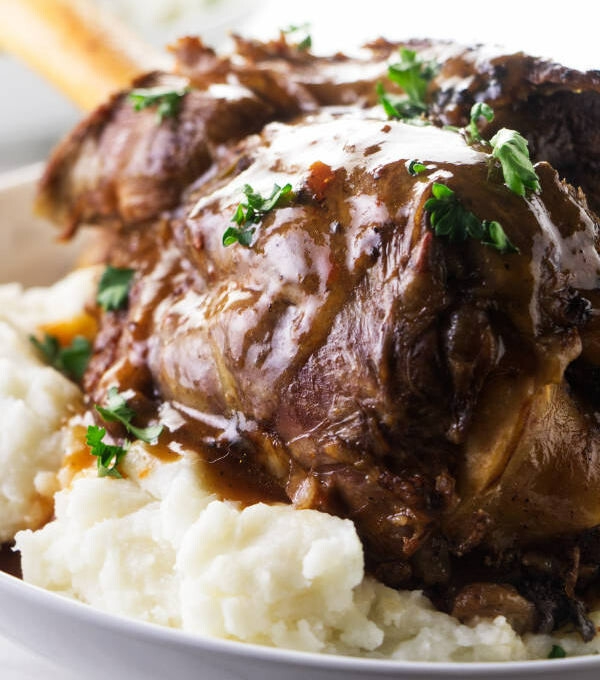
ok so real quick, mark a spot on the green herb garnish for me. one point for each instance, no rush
(109, 455)
(113, 289)
(306, 42)
(450, 218)
(400, 107)
(252, 212)
(415, 167)
(413, 75)
(510, 148)
(557, 652)
(116, 410)
(71, 361)
(479, 110)
(167, 99)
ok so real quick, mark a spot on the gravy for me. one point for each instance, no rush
(10, 561)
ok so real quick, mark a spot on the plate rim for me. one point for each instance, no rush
(22, 176)
(320, 660)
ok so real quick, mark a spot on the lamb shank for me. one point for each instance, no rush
(345, 354)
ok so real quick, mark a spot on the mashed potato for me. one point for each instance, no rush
(34, 401)
(158, 546)
(33, 307)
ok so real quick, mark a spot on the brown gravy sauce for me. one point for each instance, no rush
(228, 469)
(10, 561)
(232, 480)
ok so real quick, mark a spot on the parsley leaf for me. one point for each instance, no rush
(71, 361)
(113, 288)
(253, 211)
(413, 75)
(306, 42)
(49, 348)
(415, 167)
(495, 236)
(510, 148)
(399, 107)
(116, 410)
(109, 455)
(234, 235)
(557, 652)
(450, 218)
(166, 99)
(479, 110)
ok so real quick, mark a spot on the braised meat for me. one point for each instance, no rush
(437, 392)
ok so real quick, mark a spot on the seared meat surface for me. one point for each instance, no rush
(350, 360)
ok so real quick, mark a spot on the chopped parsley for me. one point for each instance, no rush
(412, 75)
(113, 289)
(415, 167)
(510, 148)
(252, 212)
(400, 107)
(109, 455)
(116, 410)
(71, 361)
(557, 652)
(479, 110)
(450, 218)
(306, 42)
(166, 99)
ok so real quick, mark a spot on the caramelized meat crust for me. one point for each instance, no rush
(435, 392)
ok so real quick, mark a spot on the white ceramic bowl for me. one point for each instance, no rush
(99, 645)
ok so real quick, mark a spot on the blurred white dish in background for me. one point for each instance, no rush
(162, 21)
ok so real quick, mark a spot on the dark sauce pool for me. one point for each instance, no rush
(10, 561)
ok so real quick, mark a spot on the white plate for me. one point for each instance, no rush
(30, 250)
(99, 645)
